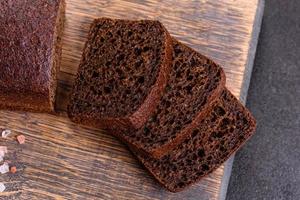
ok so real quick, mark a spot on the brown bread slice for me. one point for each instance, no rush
(123, 71)
(219, 135)
(30, 43)
(195, 83)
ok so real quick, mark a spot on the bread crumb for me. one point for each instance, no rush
(4, 168)
(2, 187)
(21, 139)
(13, 169)
(5, 133)
(3, 149)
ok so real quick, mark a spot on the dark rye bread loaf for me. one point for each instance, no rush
(123, 71)
(195, 83)
(30, 43)
(216, 137)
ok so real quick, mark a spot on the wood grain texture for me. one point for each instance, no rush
(243, 93)
(61, 160)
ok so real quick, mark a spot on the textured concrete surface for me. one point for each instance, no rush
(268, 166)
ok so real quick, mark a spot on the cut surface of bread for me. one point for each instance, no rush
(195, 83)
(123, 71)
(30, 42)
(216, 137)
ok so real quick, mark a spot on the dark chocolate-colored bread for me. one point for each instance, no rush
(30, 43)
(195, 83)
(123, 71)
(219, 135)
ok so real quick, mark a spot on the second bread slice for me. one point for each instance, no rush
(195, 83)
(225, 129)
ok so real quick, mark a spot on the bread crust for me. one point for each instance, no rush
(242, 134)
(139, 116)
(30, 55)
(212, 96)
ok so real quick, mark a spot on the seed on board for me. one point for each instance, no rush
(21, 139)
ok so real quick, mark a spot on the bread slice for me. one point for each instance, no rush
(123, 71)
(216, 137)
(30, 44)
(195, 83)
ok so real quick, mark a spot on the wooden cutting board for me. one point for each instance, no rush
(61, 160)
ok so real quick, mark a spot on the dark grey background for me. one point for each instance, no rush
(268, 166)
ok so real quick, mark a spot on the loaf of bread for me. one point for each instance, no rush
(195, 83)
(227, 126)
(30, 43)
(123, 71)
